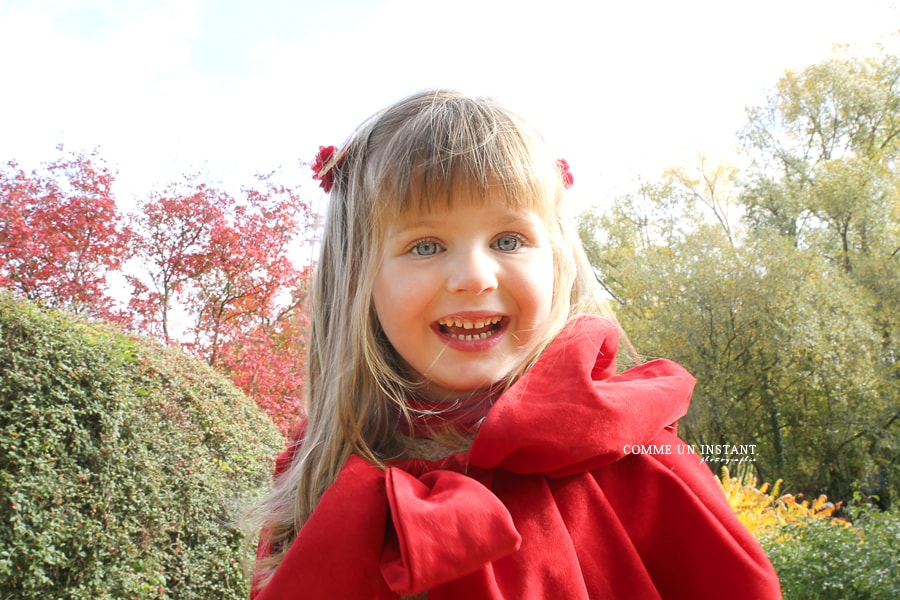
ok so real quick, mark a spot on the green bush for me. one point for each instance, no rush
(824, 558)
(122, 464)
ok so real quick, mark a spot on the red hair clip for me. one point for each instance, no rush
(327, 159)
(567, 178)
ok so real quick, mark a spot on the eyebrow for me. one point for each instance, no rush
(511, 219)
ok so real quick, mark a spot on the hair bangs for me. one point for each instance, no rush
(457, 150)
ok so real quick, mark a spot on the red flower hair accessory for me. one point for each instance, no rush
(328, 158)
(567, 178)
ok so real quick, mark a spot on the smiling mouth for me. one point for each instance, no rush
(469, 329)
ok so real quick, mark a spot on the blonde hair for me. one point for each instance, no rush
(439, 142)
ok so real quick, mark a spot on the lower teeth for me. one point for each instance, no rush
(470, 338)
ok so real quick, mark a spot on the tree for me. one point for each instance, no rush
(224, 264)
(223, 268)
(824, 153)
(762, 323)
(824, 175)
(60, 233)
(268, 363)
(248, 270)
(175, 233)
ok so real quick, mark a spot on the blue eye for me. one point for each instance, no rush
(425, 248)
(508, 243)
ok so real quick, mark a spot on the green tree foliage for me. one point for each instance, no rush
(825, 153)
(122, 464)
(777, 286)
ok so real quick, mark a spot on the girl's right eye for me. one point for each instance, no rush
(425, 248)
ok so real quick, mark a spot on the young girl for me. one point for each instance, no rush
(467, 433)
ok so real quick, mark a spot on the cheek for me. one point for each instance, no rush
(397, 298)
(544, 282)
(392, 285)
(382, 298)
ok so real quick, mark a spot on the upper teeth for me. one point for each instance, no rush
(466, 323)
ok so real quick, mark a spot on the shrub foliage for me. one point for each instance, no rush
(820, 559)
(818, 556)
(122, 464)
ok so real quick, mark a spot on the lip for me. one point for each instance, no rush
(496, 323)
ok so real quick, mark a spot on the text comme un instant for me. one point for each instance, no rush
(709, 452)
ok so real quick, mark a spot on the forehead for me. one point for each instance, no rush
(489, 211)
(421, 203)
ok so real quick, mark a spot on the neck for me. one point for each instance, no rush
(461, 414)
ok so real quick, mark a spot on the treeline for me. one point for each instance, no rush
(776, 282)
(199, 267)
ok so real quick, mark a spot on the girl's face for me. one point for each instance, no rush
(464, 293)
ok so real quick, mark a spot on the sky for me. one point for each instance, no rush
(230, 88)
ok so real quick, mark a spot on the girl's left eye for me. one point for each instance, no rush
(509, 243)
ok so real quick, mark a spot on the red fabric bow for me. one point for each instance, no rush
(421, 555)
(413, 551)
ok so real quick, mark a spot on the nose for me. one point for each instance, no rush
(473, 271)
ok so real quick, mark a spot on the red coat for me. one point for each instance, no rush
(553, 500)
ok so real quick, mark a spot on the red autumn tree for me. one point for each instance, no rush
(268, 363)
(60, 233)
(214, 272)
(223, 269)
(174, 237)
(248, 274)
